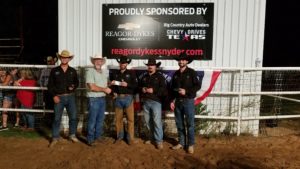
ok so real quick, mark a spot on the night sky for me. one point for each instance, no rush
(40, 22)
(282, 33)
(36, 21)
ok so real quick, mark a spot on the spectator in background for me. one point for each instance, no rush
(2, 78)
(63, 81)
(124, 84)
(184, 85)
(8, 96)
(21, 75)
(48, 102)
(27, 97)
(43, 82)
(152, 88)
(96, 81)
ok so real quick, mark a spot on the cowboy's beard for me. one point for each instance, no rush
(151, 70)
(182, 64)
(123, 67)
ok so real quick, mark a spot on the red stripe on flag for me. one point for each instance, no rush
(214, 78)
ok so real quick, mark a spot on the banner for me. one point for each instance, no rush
(160, 30)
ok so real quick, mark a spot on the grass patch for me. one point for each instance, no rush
(14, 132)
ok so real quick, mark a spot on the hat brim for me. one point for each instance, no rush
(128, 61)
(187, 59)
(93, 59)
(157, 64)
(60, 56)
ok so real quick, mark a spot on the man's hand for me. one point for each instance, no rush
(115, 95)
(182, 91)
(70, 88)
(112, 82)
(124, 84)
(149, 90)
(144, 89)
(107, 90)
(172, 105)
(56, 99)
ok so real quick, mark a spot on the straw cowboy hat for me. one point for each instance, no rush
(97, 56)
(184, 56)
(65, 54)
(124, 60)
(50, 58)
(152, 61)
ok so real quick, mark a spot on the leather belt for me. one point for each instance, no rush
(182, 99)
(122, 95)
(64, 94)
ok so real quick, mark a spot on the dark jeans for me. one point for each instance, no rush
(49, 105)
(152, 115)
(48, 100)
(28, 117)
(68, 102)
(185, 111)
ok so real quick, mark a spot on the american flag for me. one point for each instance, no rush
(208, 79)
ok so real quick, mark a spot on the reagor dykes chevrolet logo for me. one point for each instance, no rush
(129, 26)
(129, 32)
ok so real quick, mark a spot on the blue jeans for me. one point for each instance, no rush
(123, 102)
(97, 106)
(1, 98)
(152, 115)
(185, 111)
(28, 117)
(67, 101)
(9, 97)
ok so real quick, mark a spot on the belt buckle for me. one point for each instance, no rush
(181, 99)
(122, 95)
(64, 94)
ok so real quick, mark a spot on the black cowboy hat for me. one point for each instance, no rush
(152, 61)
(184, 56)
(124, 60)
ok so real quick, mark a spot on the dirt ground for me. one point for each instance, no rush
(222, 152)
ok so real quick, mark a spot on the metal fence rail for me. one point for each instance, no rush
(243, 99)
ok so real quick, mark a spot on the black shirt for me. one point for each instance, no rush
(156, 81)
(127, 76)
(60, 81)
(187, 80)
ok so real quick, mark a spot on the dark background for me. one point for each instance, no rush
(282, 33)
(37, 22)
(34, 21)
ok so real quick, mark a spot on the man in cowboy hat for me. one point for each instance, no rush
(124, 84)
(184, 85)
(62, 83)
(44, 76)
(43, 81)
(96, 81)
(152, 89)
